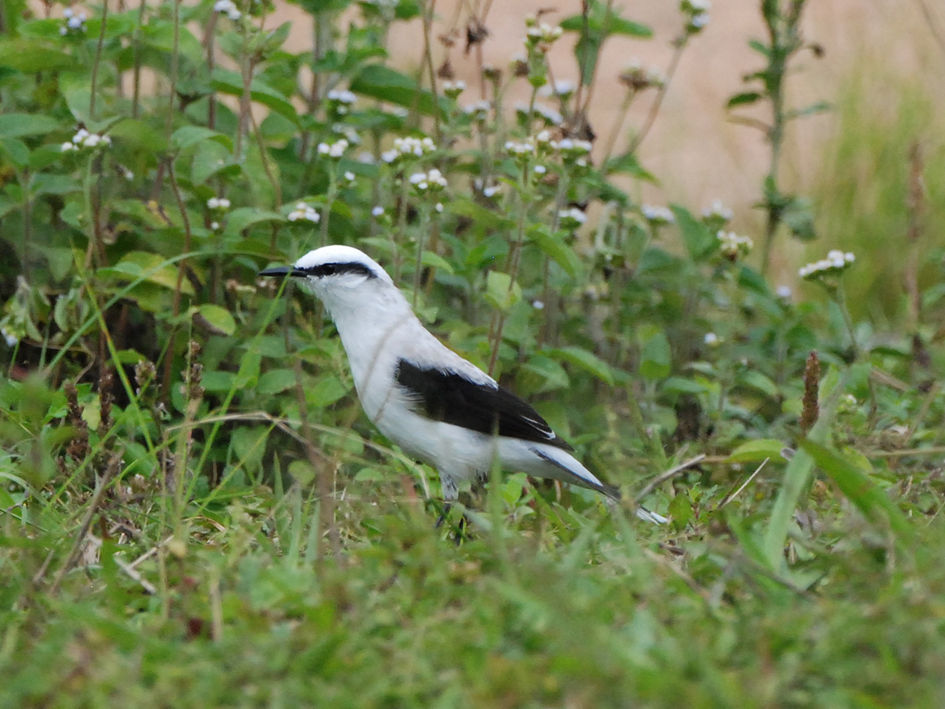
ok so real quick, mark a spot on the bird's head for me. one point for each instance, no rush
(344, 278)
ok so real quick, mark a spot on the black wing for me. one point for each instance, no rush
(452, 398)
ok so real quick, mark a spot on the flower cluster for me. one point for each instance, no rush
(836, 262)
(717, 214)
(478, 111)
(561, 89)
(657, 216)
(304, 212)
(218, 203)
(432, 181)
(541, 34)
(636, 78)
(697, 14)
(487, 190)
(571, 219)
(333, 150)
(74, 22)
(408, 148)
(710, 339)
(454, 88)
(520, 150)
(572, 149)
(340, 101)
(733, 245)
(84, 139)
(228, 8)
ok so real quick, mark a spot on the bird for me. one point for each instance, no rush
(437, 406)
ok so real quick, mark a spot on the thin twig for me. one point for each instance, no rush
(731, 496)
(672, 472)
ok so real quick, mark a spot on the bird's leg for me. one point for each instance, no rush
(443, 514)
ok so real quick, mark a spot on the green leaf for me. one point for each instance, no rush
(744, 99)
(275, 380)
(16, 150)
(501, 292)
(855, 484)
(629, 165)
(152, 267)
(186, 136)
(17, 125)
(217, 319)
(555, 247)
(386, 84)
(699, 239)
(31, 57)
(587, 361)
(553, 375)
(229, 82)
(242, 218)
(248, 374)
(655, 357)
(432, 260)
(326, 391)
(757, 450)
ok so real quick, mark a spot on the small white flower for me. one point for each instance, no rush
(438, 207)
(657, 215)
(215, 226)
(67, 146)
(454, 88)
(540, 169)
(304, 212)
(836, 262)
(333, 150)
(718, 211)
(732, 245)
(478, 111)
(491, 191)
(378, 211)
(712, 340)
(342, 96)
(562, 88)
(522, 149)
(783, 292)
(538, 305)
(9, 338)
(571, 218)
(67, 13)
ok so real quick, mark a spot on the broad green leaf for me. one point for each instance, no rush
(31, 57)
(229, 82)
(248, 374)
(587, 361)
(16, 150)
(555, 247)
(17, 125)
(432, 260)
(186, 136)
(275, 380)
(501, 292)
(387, 84)
(152, 267)
(699, 239)
(219, 319)
(655, 357)
(857, 486)
(244, 217)
(757, 450)
(326, 391)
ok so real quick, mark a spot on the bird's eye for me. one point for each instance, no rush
(328, 269)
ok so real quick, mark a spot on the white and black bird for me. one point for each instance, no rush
(434, 404)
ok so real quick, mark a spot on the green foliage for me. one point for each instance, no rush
(193, 509)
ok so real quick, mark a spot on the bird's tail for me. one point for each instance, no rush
(579, 475)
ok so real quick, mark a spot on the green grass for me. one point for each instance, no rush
(194, 511)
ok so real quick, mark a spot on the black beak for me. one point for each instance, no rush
(281, 271)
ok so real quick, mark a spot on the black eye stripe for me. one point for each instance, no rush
(337, 269)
